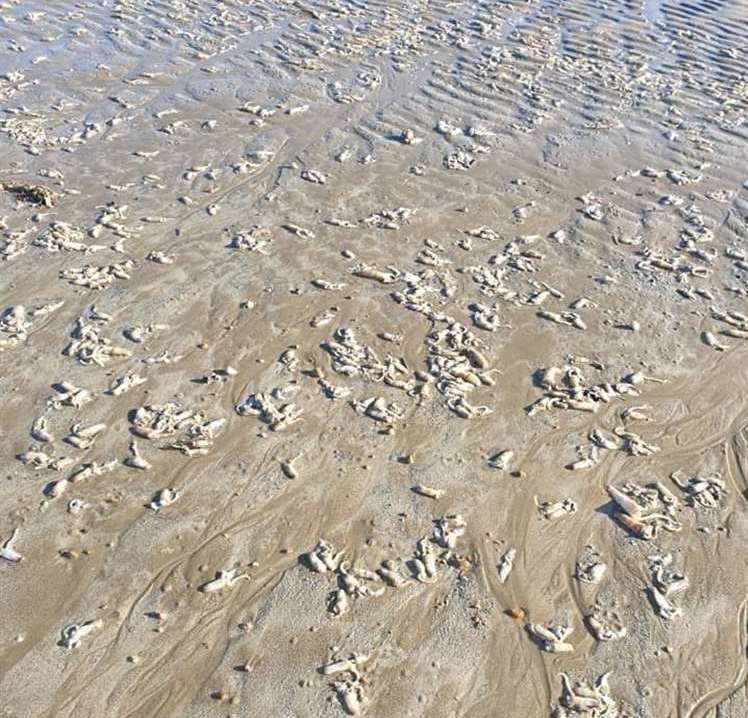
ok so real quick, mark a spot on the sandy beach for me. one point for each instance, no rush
(374, 358)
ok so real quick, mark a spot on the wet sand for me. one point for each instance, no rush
(407, 335)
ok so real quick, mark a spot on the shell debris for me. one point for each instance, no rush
(293, 292)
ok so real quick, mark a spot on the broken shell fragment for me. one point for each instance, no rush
(449, 529)
(427, 491)
(163, 497)
(608, 628)
(125, 383)
(506, 564)
(630, 506)
(666, 582)
(711, 341)
(644, 510)
(69, 395)
(378, 409)
(289, 469)
(278, 416)
(56, 488)
(135, 460)
(590, 567)
(93, 468)
(223, 579)
(424, 564)
(39, 431)
(324, 558)
(551, 638)
(350, 695)
(585, 699)
(554, 510)
(704, 491)
(644, 531)
(72, 635)
(390, 574)
(571, 319)
(501, 460)
(350, 664)
(7, 552)
(82, 437)
(339, 603)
